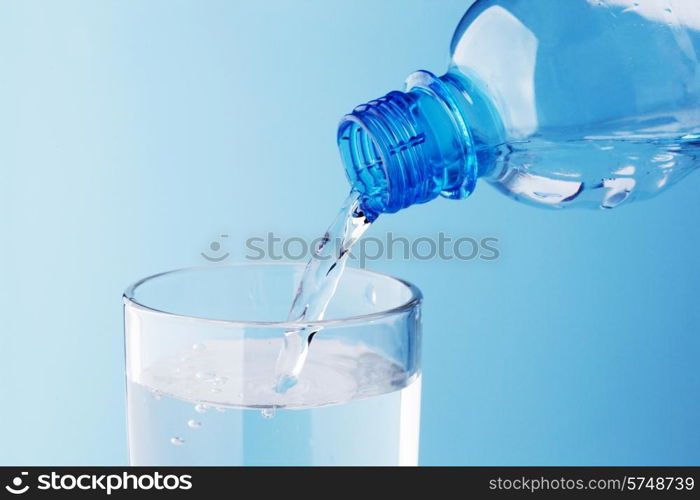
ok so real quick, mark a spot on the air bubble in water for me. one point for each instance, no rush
(194, 424)
(156, 394)
(177, 441)
(205, 375)
(268, 412)
(201, 408)
(198, 347)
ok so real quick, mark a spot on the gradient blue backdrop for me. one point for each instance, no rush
(134, 133)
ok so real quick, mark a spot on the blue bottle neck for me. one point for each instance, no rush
(409, 147)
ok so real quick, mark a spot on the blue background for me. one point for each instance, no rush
(132, 134)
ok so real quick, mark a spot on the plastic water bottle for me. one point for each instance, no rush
(556, 103)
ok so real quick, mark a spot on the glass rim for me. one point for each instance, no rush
(415, 299)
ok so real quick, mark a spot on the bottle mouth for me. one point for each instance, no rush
(383, 150)
(407, 147)
(364, 165)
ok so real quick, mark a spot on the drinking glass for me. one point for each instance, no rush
(201, 351)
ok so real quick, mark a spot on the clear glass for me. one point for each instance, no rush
(201, 349)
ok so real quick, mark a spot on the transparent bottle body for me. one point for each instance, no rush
(556, 103)
(586, 103)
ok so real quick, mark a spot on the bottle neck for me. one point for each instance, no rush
(409, 147)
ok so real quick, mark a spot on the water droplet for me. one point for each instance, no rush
(215, 389)
(546, 195)
(201, 408)
(626, 170)
(268, 412)
(668, 10)
(615, 199)
(371, 294)
(194, 424)
(156, 394)
(219, 380)
(198, 347)
(662, 157)
(177, 441)
(619, 190)
(632, 7)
